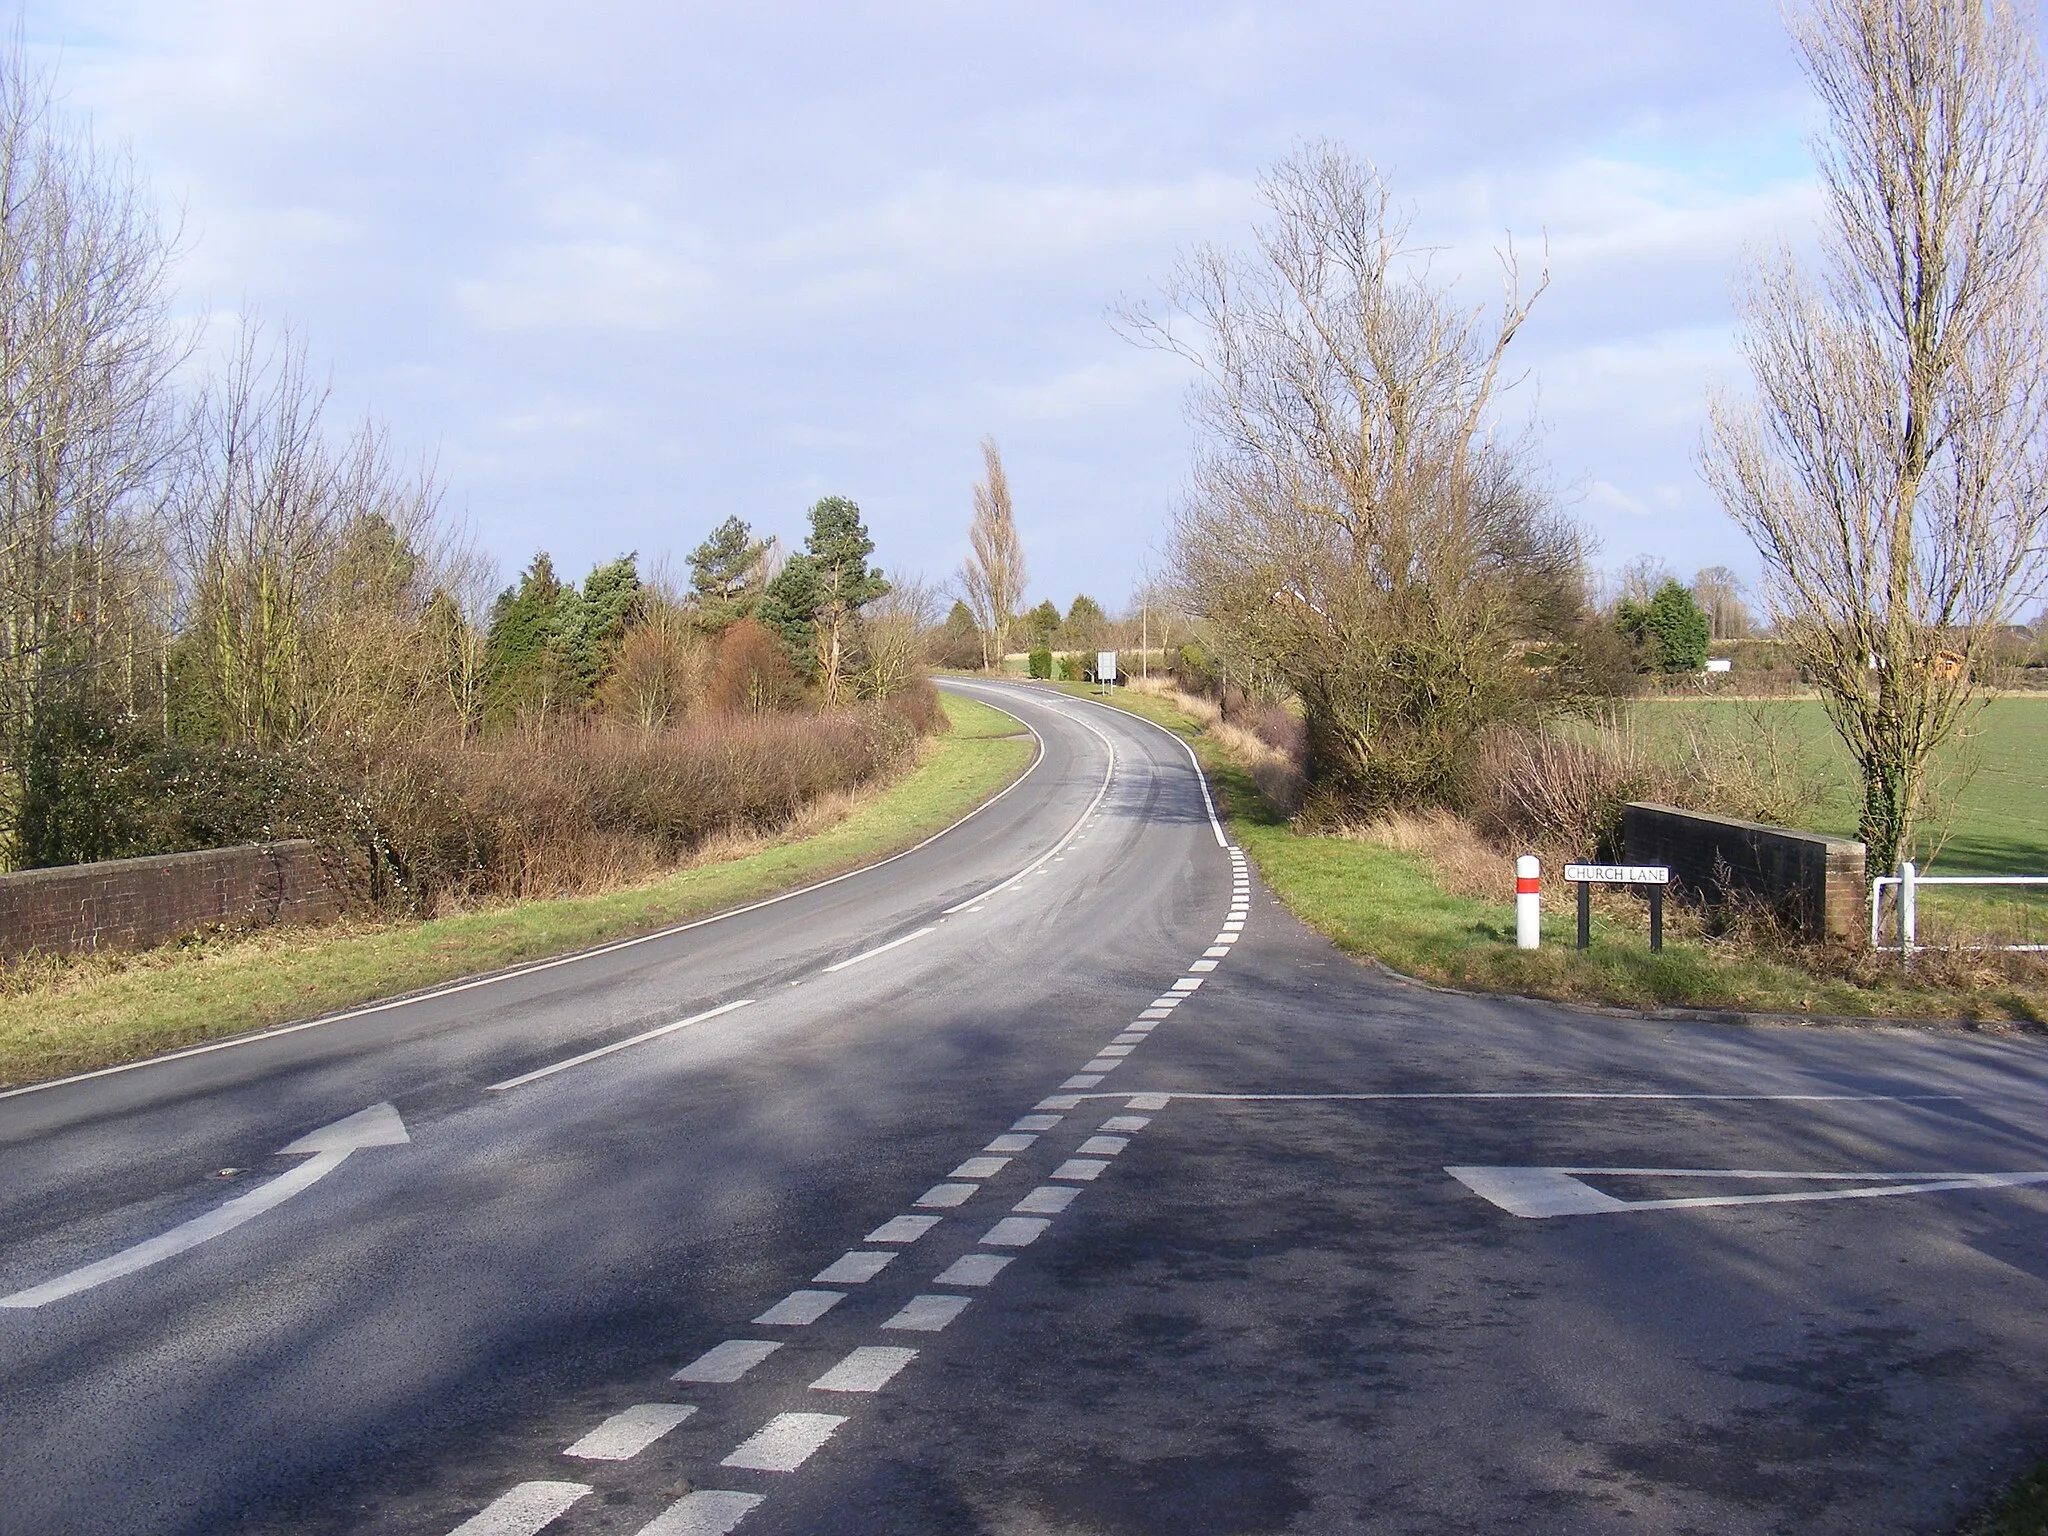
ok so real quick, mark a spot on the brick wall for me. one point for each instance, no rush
(133, 903)
(1815, 882)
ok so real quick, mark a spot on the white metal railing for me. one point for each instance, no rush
(1909, 880)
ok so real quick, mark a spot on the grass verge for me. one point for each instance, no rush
(95, 1011)
(1389, 905)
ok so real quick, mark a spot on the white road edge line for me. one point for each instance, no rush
(617, 1045)
(881, 949)
(470, 984)
(1201, 778)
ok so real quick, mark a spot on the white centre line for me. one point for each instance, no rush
(902, 1229)
(971, 1269)
(1015, 1232)
(1046, 1200)
(867, 1369)
(945, 1196)
(928, 1314)
(625, 1435)
(785, 1442)
(799, 1309)
(617, 1045)
(853, 1268)
(881, 949)
(727, 1362)
(523, 1510)
(707, 1512)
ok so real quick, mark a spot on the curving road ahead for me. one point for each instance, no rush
(1046, 1179)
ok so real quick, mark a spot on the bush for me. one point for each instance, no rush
(1073, 669)
(752, 674)
(1041, 662)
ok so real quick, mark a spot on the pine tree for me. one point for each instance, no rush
(838, 550)
(725, 576)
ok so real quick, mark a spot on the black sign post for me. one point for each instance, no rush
(1586, 876)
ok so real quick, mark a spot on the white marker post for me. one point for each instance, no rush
(1528, 902)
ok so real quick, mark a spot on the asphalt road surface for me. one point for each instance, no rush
(1046, 1181)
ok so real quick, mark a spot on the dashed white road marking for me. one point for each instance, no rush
(707, 1512)
(902, 1229)
(625, 1435)
(945, 1196)
(1102, 1146)
(1082, 1080)
(617, 1045)
(1010, 1142)
(799, 1309)
(1114, 1049)
(1218, 950)
(853, 1268)
(1202, 965)
(867, 1369)
(1234, 925)
(1086, 1169)
(1103, 1064)
(1156, 1013)
(785, 1442)
(1131, 1037)
(1125, 1123)
(1015, 1232)
(1147, 1101)
(971, 1269)
(980, 1168)
(727, 1362)
(881, 949)
(928, 1314)
(1168, 1001)
(523, 1510)
(1046, 1200)
(1188, 984)
(1036, 1122)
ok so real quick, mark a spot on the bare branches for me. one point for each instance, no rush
(1892, 469)
(1353, 527)
(992, 578)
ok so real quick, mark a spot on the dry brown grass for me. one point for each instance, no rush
(1273, 768)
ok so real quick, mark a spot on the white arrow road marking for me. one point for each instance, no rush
(1541, 1192)
(377, 1126)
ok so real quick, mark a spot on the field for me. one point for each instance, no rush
(1992, 797)
(1998, 813)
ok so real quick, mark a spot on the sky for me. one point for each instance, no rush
(622, 270)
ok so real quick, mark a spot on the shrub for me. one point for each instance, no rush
(752, 674)
(1040, 662)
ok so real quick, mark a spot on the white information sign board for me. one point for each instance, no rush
(1619, 874)
(1105, 666)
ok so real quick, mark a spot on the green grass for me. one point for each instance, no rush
(1387, 905)
(1997, 822)
(97, 1011)
(2023, 1511)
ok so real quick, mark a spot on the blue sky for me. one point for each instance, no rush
(626, 269)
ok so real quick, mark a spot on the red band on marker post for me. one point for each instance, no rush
(1527, 885)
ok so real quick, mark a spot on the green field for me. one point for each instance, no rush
(1996, 823)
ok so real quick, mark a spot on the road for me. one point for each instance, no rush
(1046, 1180)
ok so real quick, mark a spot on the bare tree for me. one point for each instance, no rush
(992, 577)
(1719, 593)
(1355, 528)
(86, 412)
(892, 636)
(1891, 468)
(310, 572)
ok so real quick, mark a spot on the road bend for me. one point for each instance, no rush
(1046, 1179)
